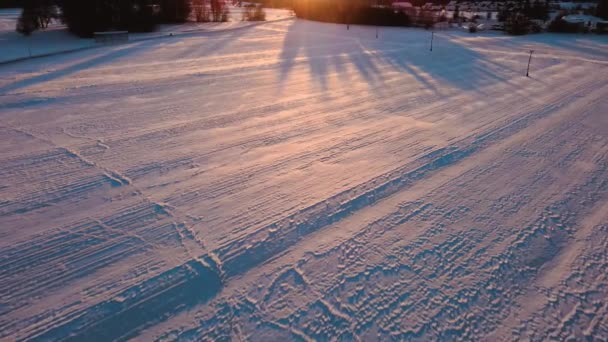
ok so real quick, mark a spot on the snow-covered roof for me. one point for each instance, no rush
(570, 5)
(581, 18)
(403, 5)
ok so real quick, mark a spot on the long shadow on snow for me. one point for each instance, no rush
(193, 283)
(449, 64)
(592, 45)
(101, 58)
(215, 42)
(323, 52)
(142, 305)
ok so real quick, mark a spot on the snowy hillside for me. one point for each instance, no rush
(300, 181)
(57, 39)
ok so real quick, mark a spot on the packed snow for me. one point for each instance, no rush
(301, 181)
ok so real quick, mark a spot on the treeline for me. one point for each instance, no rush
(602, 9)
(522, 18)
(538, 10)
(84, 17)
(286, 4)
(349, 12)
(525, 18)
(11, 3)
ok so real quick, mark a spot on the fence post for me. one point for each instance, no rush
(29, 45)
(529, 60)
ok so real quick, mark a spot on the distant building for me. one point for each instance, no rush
(583, 20)
(405, 6)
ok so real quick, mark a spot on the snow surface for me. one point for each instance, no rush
(298, 181)
(51, 40)
(8, 18)
(56, 38)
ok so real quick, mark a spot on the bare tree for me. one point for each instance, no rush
(201, 10)
(218, 10)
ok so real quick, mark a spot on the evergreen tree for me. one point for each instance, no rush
(539, 10)
(527, 8)
(602, 9)
(86, 17)
(175, 11)
(141, 16)
(27, 23)
(517, 24)
(11, 4)
(503, 14)
(456, 15)
(36, 14)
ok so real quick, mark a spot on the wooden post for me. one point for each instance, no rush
(529, 60)
(29, 45)
(432, 36)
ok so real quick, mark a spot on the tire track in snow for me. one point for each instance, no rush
(270, 241)
(145, 298)
(299, 227)
(240, 256)
(413, 289)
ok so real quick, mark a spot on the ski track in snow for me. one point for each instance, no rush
(298, 181)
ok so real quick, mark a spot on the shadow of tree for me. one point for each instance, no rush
(110, 54)
(450, 64)
(105, 56)
(324, 54)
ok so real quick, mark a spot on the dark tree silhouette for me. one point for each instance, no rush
(349, 12)
(11, 3)
(36, 14)
(539, 10)
(175, 11)
(86, 17)
(201, 10)
(602, 9)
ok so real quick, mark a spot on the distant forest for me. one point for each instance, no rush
(11, 3)
(280, 3)
(85, 17)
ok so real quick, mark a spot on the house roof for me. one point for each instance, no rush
(581, 18)
(403, 5)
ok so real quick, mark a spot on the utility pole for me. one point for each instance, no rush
(377, 3)
(529, 60)
(432, 36)
(29, 45)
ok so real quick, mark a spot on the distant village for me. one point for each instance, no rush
(514, 17)
(479, 15)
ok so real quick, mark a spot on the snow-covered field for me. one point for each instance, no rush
(298, 181)
(8, 18)
(57, 39)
